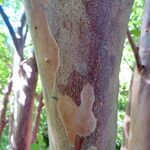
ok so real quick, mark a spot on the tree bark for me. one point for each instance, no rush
(78, 49)
(3, 109)
(24, 84)
(139, 131)
(37, 117)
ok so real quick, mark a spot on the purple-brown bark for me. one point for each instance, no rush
(78, 55)
(24, 84)
(139, 131)
(3, 110)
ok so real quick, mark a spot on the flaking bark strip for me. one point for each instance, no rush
(78, 120)
(48, 61)
(46, 44)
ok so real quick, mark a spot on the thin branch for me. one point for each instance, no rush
(23, 21)
(11, 31)
(20, 30)
(7, 92)
(25, 36)
(37, 118)
(135, 50)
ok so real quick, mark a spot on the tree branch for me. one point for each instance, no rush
(37, 118)
(23, 21)
(25, 36)
(20, 30)
(135, 50)
(12, 33)
(5, 99)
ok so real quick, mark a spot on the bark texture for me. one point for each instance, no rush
(139, 131)
(24, 84)
(78, 49)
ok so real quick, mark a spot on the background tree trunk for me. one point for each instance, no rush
(24, 84)
(78, 49)
(7, 92)
(139, 131)
(24, 80)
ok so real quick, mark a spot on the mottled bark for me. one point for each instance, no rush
(24, 83)
(139, 131)
(78, 49)
(3, 109)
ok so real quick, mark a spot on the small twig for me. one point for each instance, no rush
(28, 45)
(135, 50)
(37, 118)
(126, 61)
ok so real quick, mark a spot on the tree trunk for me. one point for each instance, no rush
(139, 131)
(37, 117)
(24, 84)
(7, 92)
(78, 49)
(24, 80)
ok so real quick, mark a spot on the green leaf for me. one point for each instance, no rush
(135, 32)
(34, 147)
(1, 1)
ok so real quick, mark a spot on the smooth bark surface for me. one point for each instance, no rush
(78, 50)
(139, 131)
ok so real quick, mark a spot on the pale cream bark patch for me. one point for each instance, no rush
(78, 120)
(46, 44)
(92, 148)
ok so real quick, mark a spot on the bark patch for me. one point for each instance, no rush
(78, 120)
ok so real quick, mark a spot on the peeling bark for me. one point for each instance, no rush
(79, 43)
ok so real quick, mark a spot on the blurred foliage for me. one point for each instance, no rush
(5, 62)
(1, 1)
(4, 142)
(14, 9)
(42, 141)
